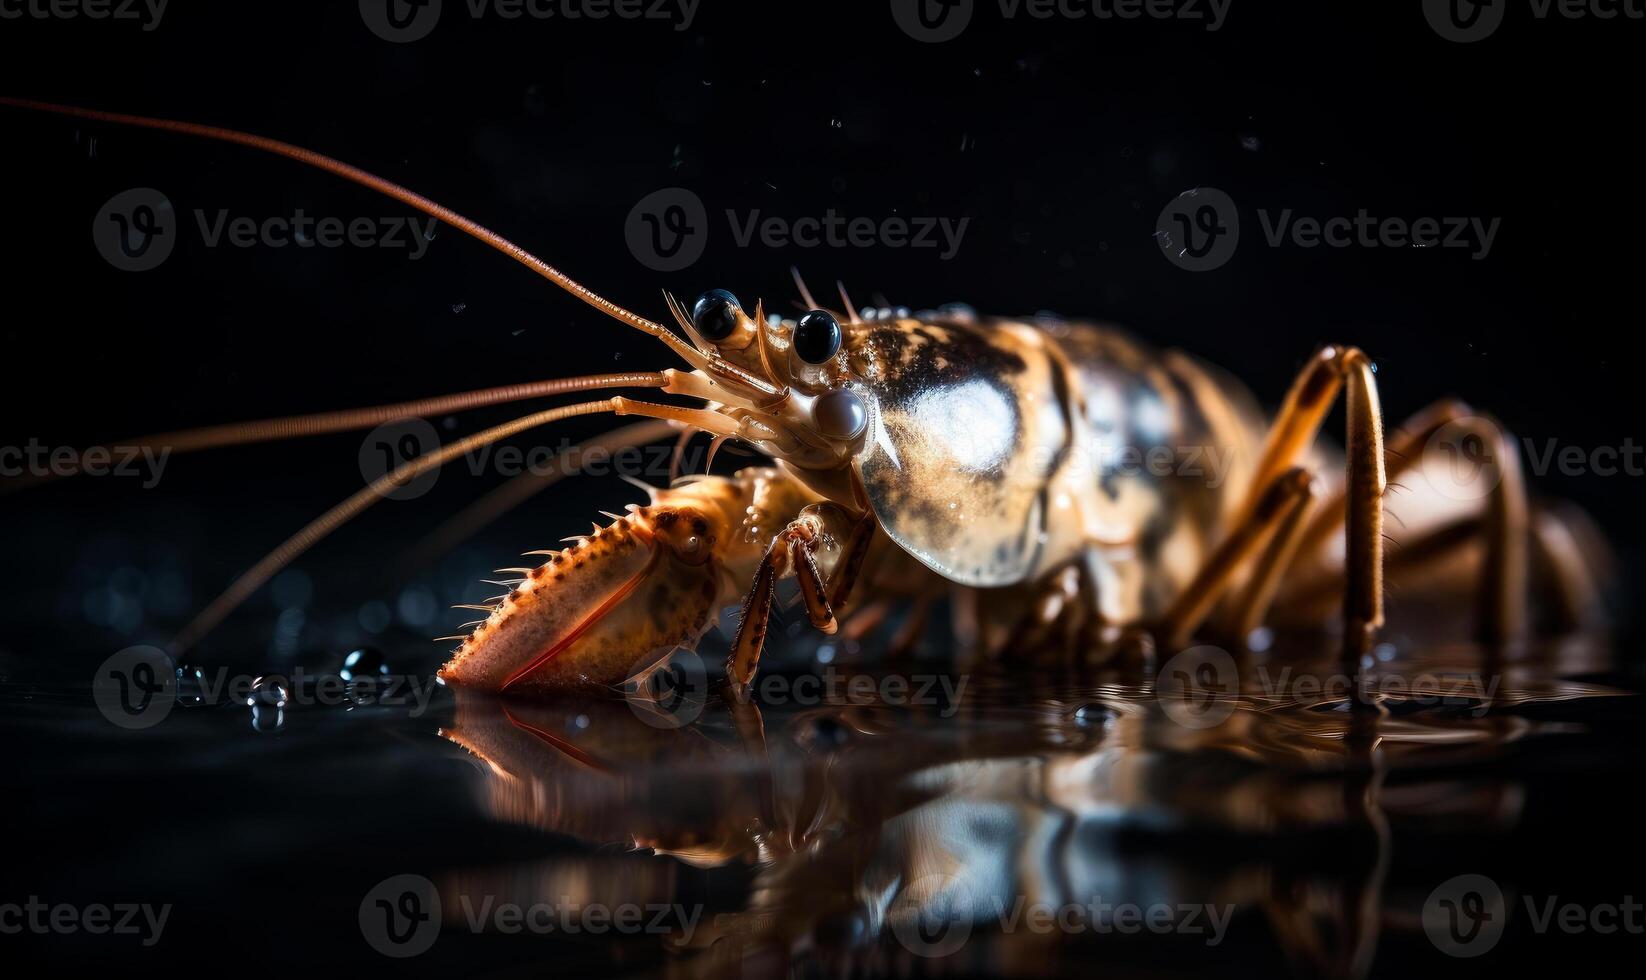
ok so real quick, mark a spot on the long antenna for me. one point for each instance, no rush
(382, 186)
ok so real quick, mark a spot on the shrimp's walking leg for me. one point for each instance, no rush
(1276, 508)
(1335, 370)
(1568, 564)
(851, 561)
(1251, 604)
(795, 549)
(1057, 610)
(1494, 478)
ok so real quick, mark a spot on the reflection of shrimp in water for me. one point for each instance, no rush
(934, 453)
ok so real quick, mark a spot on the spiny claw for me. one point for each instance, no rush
(590, 615)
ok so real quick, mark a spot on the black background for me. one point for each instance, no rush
(1060, 140)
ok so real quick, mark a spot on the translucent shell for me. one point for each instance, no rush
(966, 428)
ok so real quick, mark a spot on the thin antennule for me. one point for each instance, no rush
(519, 489)
(298, 426)
(684, 320)
(766, 352)
(322, 423)
(805, 294)
(265, 569)
(851, 311)
(382, 186)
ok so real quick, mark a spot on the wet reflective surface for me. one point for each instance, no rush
(856, 819)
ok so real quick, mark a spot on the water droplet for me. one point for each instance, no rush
(267, 720)
(366, 662)
(827, 733)
(191, 686)
(1092, 715)
(269, 691)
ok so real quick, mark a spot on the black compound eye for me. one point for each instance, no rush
(817, 337)
(716, 314)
